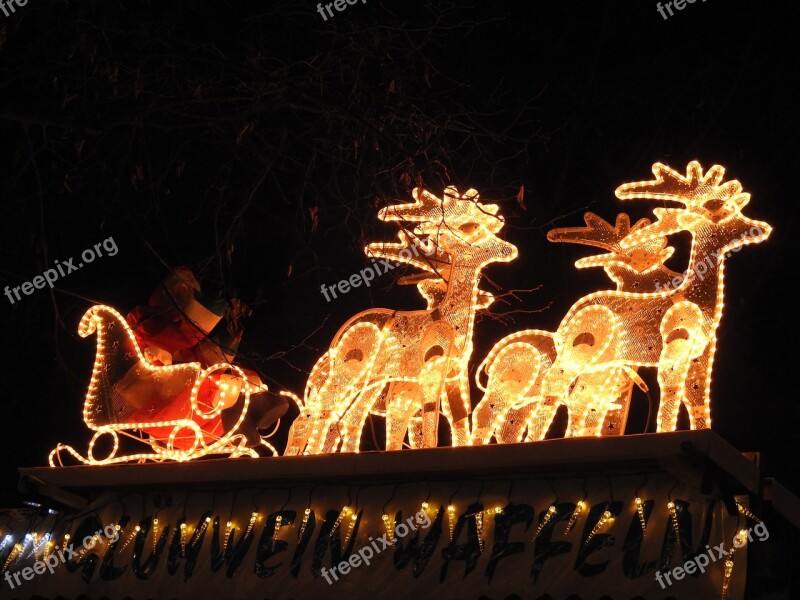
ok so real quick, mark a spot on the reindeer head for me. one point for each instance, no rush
(712, 209)
(458, 224)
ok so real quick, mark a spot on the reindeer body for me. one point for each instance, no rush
(517, 364)
(411, 359)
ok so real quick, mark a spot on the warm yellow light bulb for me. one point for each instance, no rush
(579, 508)
(551, 511)
(451, 519)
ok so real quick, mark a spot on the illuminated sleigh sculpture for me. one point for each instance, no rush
(106, 412)
(590, 362)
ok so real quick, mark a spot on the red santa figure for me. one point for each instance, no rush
(180, 325)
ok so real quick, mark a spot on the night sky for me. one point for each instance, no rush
(256, 144)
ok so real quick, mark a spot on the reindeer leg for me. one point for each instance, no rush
(484, 420)
(455, 406)
(672, 371)
(512, 372)
(351, 364)
(415, 438)
(435, 348)
(617, 413)
(540, 418)
(580, 403)
(431, 383)
(682, 340)
(352, 424)
(612, 387)
(511, 428)
(303, 425)
(593, 396)
(698, 385)
(298, 434)
(400, 408)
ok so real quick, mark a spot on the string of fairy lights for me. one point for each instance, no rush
(37, 545)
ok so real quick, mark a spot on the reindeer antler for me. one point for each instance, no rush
(422, 209)
(431, 217)
(701, 194)
(691, 189)
(598, 232)
(601, 234)
(433, 212)
(411, 251)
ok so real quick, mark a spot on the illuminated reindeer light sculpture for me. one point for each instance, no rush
(516, 364)
(712, 213)
(648, 321)
(405, 414)
(409, 359)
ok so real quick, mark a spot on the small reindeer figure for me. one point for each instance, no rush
(598, 401)
(411, 358)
